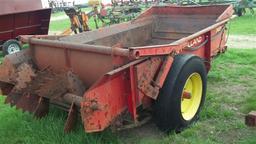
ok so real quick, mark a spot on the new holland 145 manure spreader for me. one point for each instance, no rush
(119, 76)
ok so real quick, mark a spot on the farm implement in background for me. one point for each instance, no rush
(240, 6)
(116, 13)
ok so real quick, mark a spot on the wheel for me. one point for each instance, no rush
(182, 95)
(11, 46)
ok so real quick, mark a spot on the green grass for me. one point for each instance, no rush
(17, 127)
(230, 95)
(56, 14)
(61, 25)
(1, 57)
(244, 25)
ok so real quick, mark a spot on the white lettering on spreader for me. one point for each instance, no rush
(195, 41)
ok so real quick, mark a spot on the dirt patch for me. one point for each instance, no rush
(230, 136)
(241, 41)
(135, 135)
(234, 90)
(246, 78)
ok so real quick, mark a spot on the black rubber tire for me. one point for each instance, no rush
(8, 43)
(167, 108)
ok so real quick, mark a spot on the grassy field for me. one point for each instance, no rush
(230, 95)
(244, 25)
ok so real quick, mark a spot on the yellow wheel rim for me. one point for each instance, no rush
(191, 96)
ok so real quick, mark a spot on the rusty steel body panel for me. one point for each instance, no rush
(22, 17)
(113, 70)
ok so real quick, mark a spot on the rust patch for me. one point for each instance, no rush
(75, 85)
(50, 85)
(10, 64)
(7, 71)
(27, 102)
(24, 75)
(34, 89)
(145, 74)
(5, 88)
(71, 120)
(42, 108)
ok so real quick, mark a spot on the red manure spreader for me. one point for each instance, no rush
(154, 66)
